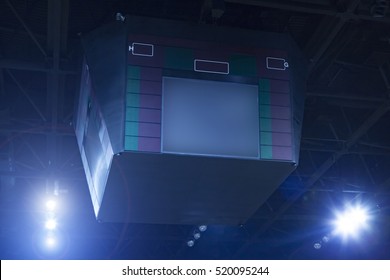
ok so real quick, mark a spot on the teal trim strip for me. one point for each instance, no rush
(131, 143)
(131, 129)
(178, 58)
(133, 100)
(243, 65)
(264, 85)
(265, 124)
(266, 152)
(266, 138)
(133, 72)
(132, 114)
(133, 86)
(265, 111)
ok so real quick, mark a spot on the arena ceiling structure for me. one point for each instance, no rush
(345, 148)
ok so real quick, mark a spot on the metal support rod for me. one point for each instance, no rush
(26, 28)
(366, 167)
(33, 174)
(333, 130)
(2, 85)
(309, 9)
(26, 95)
(56, 33)
(286, 6)
(340, 95)
(348, 123)
(355, 65)
(32, 66)
(16, 30)
(373, 119)
(36, 130)
(332, 190)
(330, 28)
(325, 44)
(375, 145)
(328, 58)
(360, 152)
(334, 31)
(35, 154)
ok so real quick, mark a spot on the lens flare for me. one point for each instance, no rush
(351, 222)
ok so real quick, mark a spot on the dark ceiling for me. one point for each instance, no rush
(345, 149)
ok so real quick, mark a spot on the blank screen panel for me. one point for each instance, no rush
(211, 118)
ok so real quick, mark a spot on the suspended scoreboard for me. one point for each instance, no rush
(186, 124)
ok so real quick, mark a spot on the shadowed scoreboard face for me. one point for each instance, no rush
(191, 97)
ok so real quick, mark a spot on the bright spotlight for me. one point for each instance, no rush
(51, 224)
(50, 241)
(351, 221)
(51, 205)
(50, 244)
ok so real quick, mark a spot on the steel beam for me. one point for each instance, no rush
(56, 42)
(2, 85)
(32, 66)
(18, 31)
(333, 23)
(366, 167)
(36, 175)
(35, 154)
(331, 30)
(25, 93)
(362, 152)
(354, 65)
(42, 50)
(35, 129)
(341, 100)
(308, 9)
(341, 95)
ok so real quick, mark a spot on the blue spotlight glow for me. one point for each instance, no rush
(325, 239)
(196, 235)
(51, 224)
(190, 243)
(317, 246)
(350, 222)
(202, 228)
(50, 244)
(51, 205)
(50, 241)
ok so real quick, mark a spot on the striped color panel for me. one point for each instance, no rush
(275, 120)
(143, 109)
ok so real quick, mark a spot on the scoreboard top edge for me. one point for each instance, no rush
(209, 33)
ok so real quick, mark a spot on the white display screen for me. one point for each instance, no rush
(212, 118)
